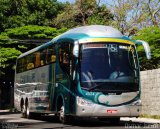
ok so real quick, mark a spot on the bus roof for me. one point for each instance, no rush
(91, 31)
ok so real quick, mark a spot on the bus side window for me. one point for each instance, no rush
(65, 58)
(51, 57)
(43, 57)
(24, 68)
(30, 59)
(37, 61)
(30, 66)
(19, 66)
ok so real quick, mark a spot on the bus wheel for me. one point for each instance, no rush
(65, 119)
(29, 114)
(23, 110)
(61, 114)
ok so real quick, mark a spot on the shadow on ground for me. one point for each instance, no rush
(49, 122)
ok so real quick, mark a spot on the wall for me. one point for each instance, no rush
(150, 83)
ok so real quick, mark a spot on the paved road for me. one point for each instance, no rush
(14, 121)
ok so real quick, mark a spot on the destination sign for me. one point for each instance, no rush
(99, 45)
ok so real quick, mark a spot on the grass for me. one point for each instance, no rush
(150, 116)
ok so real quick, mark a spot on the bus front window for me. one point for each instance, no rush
(109, 67)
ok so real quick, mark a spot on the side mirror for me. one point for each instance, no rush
(146, 48)
(76, 49)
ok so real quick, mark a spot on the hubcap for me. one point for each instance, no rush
(61, 113)
(27, 111)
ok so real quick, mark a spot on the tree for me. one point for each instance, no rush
(101, 16)
(127, 15)
(33, 32)
(83, 12)
(85, 8)
(152, 9)
(67, 17)
(152, 36)
(10, 49)
(132, 15)
(15, 13)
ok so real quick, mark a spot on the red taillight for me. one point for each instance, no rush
(111, 111)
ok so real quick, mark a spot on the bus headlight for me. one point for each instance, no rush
(83, 102)
(137, 103)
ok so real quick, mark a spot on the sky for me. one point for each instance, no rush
(72, 1)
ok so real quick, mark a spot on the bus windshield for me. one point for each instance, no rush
(109, 67)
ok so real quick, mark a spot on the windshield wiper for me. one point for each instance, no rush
(92, 88)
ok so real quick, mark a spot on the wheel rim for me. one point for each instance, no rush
(27, 111)
(23, 109)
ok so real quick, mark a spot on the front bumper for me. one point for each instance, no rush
(86, 108)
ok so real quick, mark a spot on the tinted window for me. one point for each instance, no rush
(37, 59)
(66, 58)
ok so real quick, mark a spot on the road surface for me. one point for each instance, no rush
(14, 121)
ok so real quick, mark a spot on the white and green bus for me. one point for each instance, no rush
(89, 71)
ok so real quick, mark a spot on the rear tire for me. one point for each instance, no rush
(23, 111)
(28, 113)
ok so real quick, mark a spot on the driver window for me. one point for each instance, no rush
(66, 58)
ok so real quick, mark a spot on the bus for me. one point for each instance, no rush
(88, 71)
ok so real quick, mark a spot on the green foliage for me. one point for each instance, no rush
(10, 48)
(152, 36)
(22, 47)
(5, 41)
(3, 37)
(15, 13)
(33, 32)
(83, 12)
(8, 56)
(150, 116)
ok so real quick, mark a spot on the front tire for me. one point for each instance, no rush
(65, 119)
(62, 116)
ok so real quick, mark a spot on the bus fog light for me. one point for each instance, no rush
(83, 102)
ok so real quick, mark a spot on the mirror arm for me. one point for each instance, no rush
(146, 47)
(76, 49)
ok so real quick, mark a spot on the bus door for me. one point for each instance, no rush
(64, 73)
(51, 61)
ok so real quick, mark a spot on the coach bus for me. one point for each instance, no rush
(88, 71)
